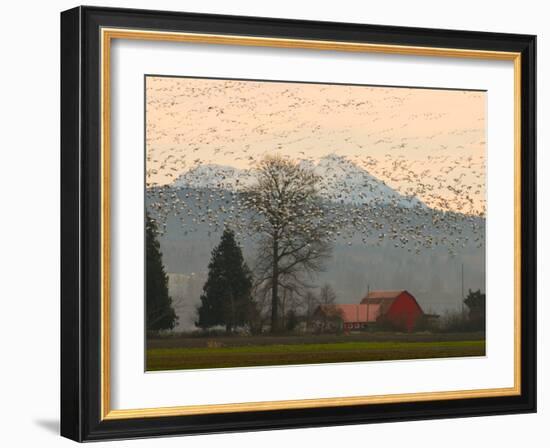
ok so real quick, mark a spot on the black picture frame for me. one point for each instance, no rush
(81, 224)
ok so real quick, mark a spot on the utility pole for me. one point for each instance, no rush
(368, 292)
(462, 288)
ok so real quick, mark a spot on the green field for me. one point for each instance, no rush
(167, 356)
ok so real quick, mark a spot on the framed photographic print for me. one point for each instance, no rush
(272, 223)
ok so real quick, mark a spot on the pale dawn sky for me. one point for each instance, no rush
(399, 135)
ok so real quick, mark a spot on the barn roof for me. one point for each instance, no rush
(385, 299)
(353, 312)
(359, 313)
(380, 294)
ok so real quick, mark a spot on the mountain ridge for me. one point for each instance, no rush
(340, 180)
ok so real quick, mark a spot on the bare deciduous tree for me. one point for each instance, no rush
(327, 296)
(290, 219)
(309, 303)
(327, 302)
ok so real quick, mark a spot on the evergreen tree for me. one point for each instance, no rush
(159, 310)
(226, 298)
(476, 304)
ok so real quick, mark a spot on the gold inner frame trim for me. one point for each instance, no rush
(107, 35)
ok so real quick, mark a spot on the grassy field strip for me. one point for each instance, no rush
(243, 356)
(296, 348)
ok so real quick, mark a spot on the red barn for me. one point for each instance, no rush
(398, 308)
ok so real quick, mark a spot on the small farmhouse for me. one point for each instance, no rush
(352, 316)
(396, 309)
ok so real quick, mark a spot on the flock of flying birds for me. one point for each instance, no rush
(351, 209)
(373, 187)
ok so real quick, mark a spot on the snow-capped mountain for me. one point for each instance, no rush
(343, 181)
(340, 180)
